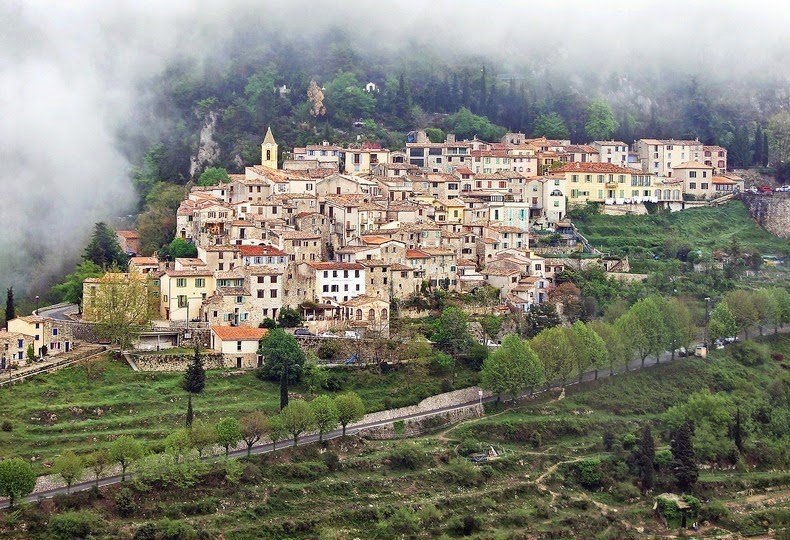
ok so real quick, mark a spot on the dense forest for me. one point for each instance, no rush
(246, 87)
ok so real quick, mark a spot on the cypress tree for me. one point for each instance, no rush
(10, 310)
(758, 145)
(194, 381)
(766, 153)
(647, 456)
(284, 386)
(104, 249)
(684, 463)
(737, 431)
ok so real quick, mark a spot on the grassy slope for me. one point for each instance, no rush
(150, 405)
(304, 500)
(708, 228)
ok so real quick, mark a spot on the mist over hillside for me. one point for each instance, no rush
(90, 89)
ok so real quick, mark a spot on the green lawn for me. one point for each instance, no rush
(703, 228)
(64, 410)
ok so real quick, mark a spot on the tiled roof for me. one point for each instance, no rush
(692, 165)
(593, 168)
(416, 254)
(261, 251)
(335, 266)
(238, 333)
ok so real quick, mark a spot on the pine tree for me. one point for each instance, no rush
(647, 456)
(483, 93)
(103, 249)
(194, 381)
(10, 310)
(684, 463)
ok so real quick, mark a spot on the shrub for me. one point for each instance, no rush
(402, 522)
(715, 512)
(750, 353)
(407, 456)
(7, 426)
(608, 440)
(329, 349)
(446, 386)
(166, 529)
(125, 505)
(430, 516)
(518, 517)
(80, 524)
(588, 473)
(463, 473)
(477, 354)
(628, 441)
(625, 491)
(465, 525)
(440, 363)
(542, 509)
(535, 439)
(399, 426)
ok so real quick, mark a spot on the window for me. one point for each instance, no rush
(239, 299)
(371, 314)
(238, 358)
(692, 174)
(54, 331)
(181, 282)
(238, 345)
(182, 301)
(261, 293)
(274, 279)
(704, 185)
(692, 185)
(200, 282)
(359, 314)
(273, 293)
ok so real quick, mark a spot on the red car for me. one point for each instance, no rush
(765, 189)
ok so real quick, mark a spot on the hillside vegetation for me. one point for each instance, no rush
(565, 470)
(708, 228)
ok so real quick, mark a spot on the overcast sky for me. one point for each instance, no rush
(69, 70)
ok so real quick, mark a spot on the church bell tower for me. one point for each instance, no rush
(269, 150)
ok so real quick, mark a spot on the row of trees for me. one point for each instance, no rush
(324, 414)
(651, 326)
(742, 311)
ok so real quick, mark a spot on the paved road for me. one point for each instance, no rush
(58, 311)
(310, 439)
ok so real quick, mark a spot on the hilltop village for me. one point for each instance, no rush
(342, 236)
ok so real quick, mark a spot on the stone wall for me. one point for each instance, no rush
(448, 399)
(176, 362)
(422, 424)
(772, 212)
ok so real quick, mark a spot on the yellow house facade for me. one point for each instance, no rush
(182, 293)
(597, 182)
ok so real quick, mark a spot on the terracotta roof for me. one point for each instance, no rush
(610, 143)
(375, 239)
(398, 267)
(464, 170)
(722, 180)
(190, 273)
(416, 254)
(692, 165)
(263, 270)
(335, 266)
(238, 333)
(261, 251)
(144, 260)
(436, 251)
(593, 168)
(297, 235)
(362, 299)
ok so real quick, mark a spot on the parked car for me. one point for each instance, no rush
(719, 344)
(682, 352)
(351, 360)
(348, 334)
(765, 188)
(327, 335)
(303, 332)
(701, 350)
(731, 339)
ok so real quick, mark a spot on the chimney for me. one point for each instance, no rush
(451, 137)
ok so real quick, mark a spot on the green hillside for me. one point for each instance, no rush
(701, 228)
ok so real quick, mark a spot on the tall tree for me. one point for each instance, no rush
(194, 381)
(743, 308)
(297, 418)
(228, 433)
(68, 466)
(10, 309)
(17, 479)
(284, 360)
(512, 368)
(643, 326)
(121, 305)
(737, 431)
(591, 352)
(71, 289)
(125, 451)
(768, 309)
(253, 427)
(601, 123)
(722, 323)
(349, 409)
(680, 329)
(617, 350)
(551, 126)
(684, 463)
(555, 351)
(104, 249)
(647, 456)
(759, 151)
(452, 332)
(325, 415)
